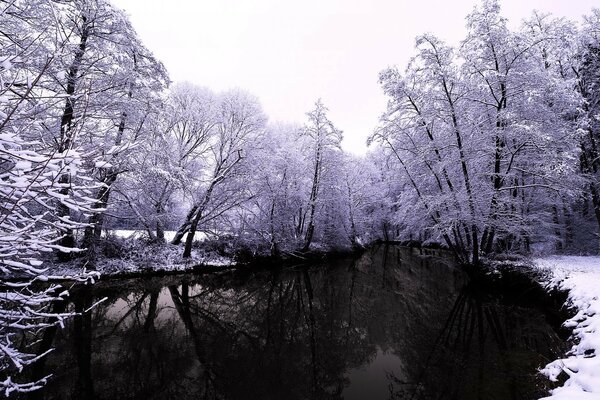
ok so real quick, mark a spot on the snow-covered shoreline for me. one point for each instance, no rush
(580, 277)
(146, 261)
(125, 270)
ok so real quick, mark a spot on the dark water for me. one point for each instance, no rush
(393, 324)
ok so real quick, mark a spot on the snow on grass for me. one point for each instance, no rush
(580, 276)
(133, 234)
(168, 259)
(139, 258)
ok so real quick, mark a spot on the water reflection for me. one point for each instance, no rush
(393, 324)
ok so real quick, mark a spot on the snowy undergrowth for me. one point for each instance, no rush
(580, 276)
(137, 234)
(137, 258)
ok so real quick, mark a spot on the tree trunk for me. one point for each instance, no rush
(465, 173)
(187, 252)
(274, 246)
(93, 232)
(386, 234)
(67, 138)
(160, 232)
(314, 193)
(191, 223)
(588, 167)
(353, 232)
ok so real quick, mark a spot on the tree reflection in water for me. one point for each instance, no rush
(393, 323)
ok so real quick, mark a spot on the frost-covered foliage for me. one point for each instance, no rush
(306, 193)
(481, 148)
(274, 187)
(212, 138)
(67, 73)
(486, 138)
(27, 230)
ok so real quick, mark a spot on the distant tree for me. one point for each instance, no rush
(361, 191)
(588, 84)
(277, 185)
(323, 141)
(238, 121)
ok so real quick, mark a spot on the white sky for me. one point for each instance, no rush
(289, 53)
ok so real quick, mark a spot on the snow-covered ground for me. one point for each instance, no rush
(142, 259)
(580, 276)
(169, 235)
(165, 260)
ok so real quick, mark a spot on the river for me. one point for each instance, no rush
(394, 323)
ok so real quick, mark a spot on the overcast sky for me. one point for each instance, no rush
(289, 53)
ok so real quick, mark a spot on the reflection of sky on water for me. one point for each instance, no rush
(371, 381)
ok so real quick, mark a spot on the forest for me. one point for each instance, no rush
(489, 148)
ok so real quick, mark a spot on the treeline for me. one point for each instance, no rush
(212, 163)
(486, 147)
(87, 112)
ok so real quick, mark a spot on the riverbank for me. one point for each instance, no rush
(134, 257)
(579, 370)
(143, 260)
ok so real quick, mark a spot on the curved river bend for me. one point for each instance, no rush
(391, 324)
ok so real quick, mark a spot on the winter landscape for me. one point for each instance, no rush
(246, 219)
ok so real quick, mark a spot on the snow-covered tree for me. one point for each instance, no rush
(238, 121)
(323, 142)
(588, 85)
(277, 186)
(137, 96)
(466, 128)
(31, 189)
(107, 82)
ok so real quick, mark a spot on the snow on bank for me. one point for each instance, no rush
(131, 234)
(580, 276)
(147, 260)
